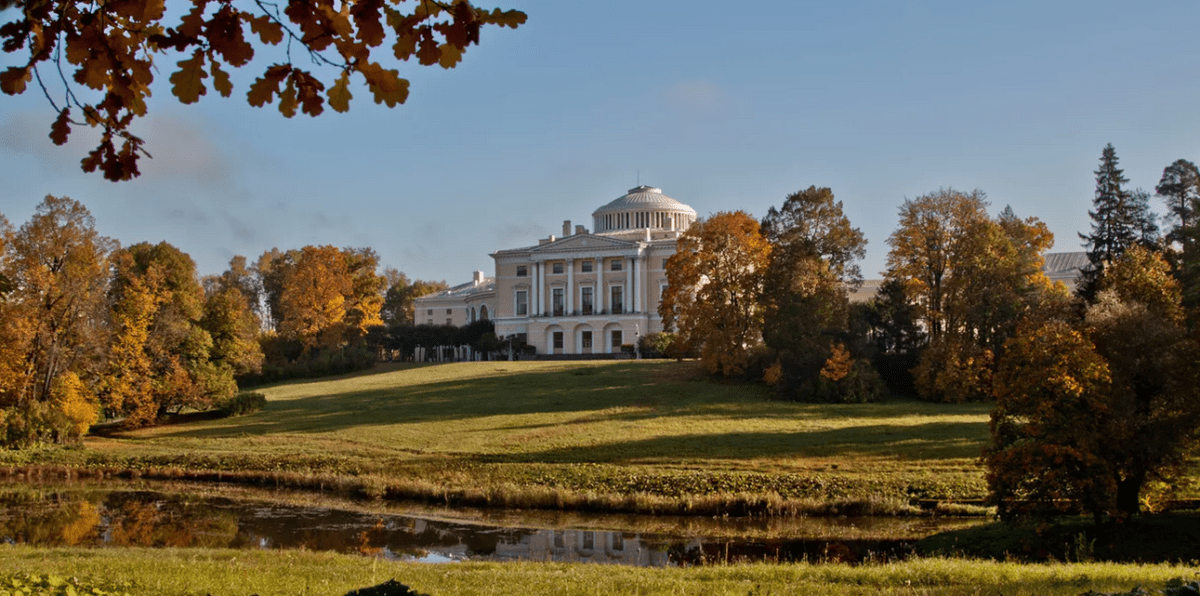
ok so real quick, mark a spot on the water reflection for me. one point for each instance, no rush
(64, 517)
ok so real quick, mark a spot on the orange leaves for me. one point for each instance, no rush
(14, 79)
(113, 46)
(188, 82)
(61, 127)
(339, 94)
(387, 85)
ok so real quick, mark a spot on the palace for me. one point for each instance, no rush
(582, 293)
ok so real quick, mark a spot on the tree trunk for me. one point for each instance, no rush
(1128, 491)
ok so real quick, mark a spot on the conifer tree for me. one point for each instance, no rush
(1120, 219)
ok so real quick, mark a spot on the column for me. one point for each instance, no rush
(538, 281)
(570, 286)
(601, 301)
(628, 297)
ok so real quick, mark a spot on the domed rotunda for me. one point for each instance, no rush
(640, 208)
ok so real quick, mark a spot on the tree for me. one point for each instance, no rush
(926, 246)
(972, 278)
(1179, 188)
(1090, 410)
(113, 50)
(714, 280)
(397, 308)
(313, 301)
(1119, 220)
(52, 314)
(814, 255)
(162, 353)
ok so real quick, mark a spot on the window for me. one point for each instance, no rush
(617, 306)
(557, 268)
(616, 265)
(522, 271)
(585, 300)
(522, 303)
(429, 312)
(618, 541)
(585, 337)
(589, 540)
(449, 321)
(449, 311)
(559, 541)
(557, 301)
(616, 340)
(483, 313)
(585, 266)
(558, 340)
(665, 263)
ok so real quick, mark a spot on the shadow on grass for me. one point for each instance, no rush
(937, 440)
(1148, 538)
(643, 386)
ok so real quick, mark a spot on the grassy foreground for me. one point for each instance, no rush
(169, 572)
(647, 436)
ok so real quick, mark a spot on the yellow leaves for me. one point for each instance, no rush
(451, 55)
(838, 365)
(386, 85)
(339, 94)
(504, 18)
(188, 81)
(14, 79)
(264, 88)
(270, 32)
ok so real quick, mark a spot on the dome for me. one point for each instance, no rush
(643, 207)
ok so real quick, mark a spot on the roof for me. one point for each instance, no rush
(1064, 262)
(464, 291)
(644, 197)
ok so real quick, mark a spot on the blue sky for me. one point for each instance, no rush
(722, 105)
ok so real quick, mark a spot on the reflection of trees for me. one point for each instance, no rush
(142, 520)
(50, 520)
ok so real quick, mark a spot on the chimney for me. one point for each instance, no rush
(579, 229)
(566, 228)
(478, 277)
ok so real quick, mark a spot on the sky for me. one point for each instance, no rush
(722, 105)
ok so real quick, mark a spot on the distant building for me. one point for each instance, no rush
(1059, 266)
(582, 293)
(460, 305)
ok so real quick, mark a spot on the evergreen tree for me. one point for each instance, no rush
(1180, 190)
(1120, 219)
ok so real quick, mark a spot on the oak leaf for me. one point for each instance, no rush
(14, 79)
(264, 88)
(339, 94)
(386, 84)
(267, 30)
(61, 127)
(451, 55)
(221, 80)
(287, 99)
(188, 83)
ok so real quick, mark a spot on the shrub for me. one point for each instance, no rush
(246, 402)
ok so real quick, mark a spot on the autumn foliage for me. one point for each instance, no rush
(107, 55)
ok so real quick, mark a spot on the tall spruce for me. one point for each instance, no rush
(1120, 219)
(1179, 189)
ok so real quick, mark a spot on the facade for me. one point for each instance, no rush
(460, 305)
(592, 292)
(583, 293)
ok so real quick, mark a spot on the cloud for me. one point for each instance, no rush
(524, 233)
(701, 95)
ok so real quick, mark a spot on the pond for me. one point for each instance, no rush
(150, 515)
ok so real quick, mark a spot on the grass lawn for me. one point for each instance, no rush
(180, 572)
(630, 435)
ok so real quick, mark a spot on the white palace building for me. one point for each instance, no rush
(582, 293)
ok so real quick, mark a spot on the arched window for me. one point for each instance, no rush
(483, 313)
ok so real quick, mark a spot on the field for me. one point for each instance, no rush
(171, 572)
(649, 436)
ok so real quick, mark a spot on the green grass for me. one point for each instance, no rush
(627, 436)
(179, 572)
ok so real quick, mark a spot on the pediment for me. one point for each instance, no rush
(582, 242)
